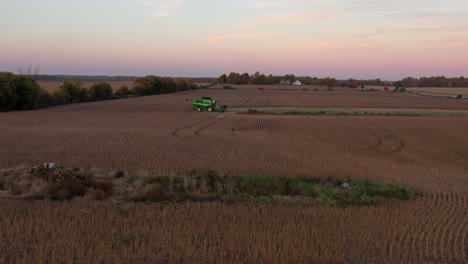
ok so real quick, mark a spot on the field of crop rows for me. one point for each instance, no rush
(162, 133)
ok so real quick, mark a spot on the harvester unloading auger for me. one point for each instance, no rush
(207, 104)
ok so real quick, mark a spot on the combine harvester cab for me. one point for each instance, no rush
(207, 104)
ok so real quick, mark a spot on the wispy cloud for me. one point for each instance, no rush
(347, 44)
(417, 30)
(240, 36)
(282, 19)
(268, 5)
(164, 7)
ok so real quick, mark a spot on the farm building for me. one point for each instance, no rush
(298, 83)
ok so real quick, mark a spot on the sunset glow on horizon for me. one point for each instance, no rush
(342, 38)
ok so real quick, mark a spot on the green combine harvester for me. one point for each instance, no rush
(207, 104)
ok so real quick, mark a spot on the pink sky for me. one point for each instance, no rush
(359, 39)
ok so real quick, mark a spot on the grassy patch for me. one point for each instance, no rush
(227, 87)
(265, 189)
(166, 189)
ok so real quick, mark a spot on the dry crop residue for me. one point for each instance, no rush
(163, 133)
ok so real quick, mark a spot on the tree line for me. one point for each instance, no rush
(21, 92)
(260, 78)
(256, 78)
(435, 81)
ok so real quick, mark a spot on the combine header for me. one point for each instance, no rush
(207, 104)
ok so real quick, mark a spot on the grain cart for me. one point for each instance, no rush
(207, 104)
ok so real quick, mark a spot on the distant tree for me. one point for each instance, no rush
(410, 82)
(259, 79)
(168, 85)
(148, 85)
(290, 77)
(60, 97)
(31, 71)
(182, 84)
(270, 79)
(76, 91)
(123, 92)
(29, 95)
(101, 91)
(329, 82)
(8, 96)
(234, 78)
(21, 92)
(222, 79)
(151, 84)
(245, 78)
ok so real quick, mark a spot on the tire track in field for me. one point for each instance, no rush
(386, 142)
(400, 142)
(378, 140)
(218, 118)
(300, 100)
(247, 100)
(175, 132)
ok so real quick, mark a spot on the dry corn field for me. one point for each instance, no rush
(162, 133)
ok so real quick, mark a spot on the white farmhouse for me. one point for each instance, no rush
(297, 83)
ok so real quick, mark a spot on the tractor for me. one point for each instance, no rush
(207, 104)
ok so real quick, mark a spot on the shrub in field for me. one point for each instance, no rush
(101, 190)
(76, 92)
(402, 90)
(56, 183)
(20, 93)
(101, 91)
(329, 83)
(63, 190)
(123, 92)
(8, 96)
(183, 84)
(151, 85)
(60, 97)
(460, 96)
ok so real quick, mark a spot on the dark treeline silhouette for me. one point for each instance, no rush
(21, 92)
(437, 81)
(259, 78)
(105, 78)
(83, 78)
